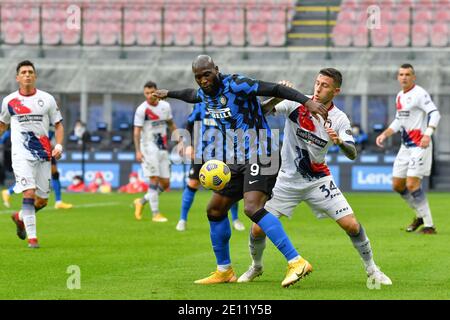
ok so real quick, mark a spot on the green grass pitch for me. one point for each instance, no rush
(121, 258)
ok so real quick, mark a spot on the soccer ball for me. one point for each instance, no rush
(214, 175)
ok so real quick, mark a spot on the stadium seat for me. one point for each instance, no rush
(420, 36)
(380, 37)
(422, 14)
(51, 33)
(109, 33)
(182, 34)
(360, 36)
(342, 34)
(90, 33)
(257, 34)
(197, 34)
(402, 15)
(70, 36)
(12, 32)
(276, 34)
(237, 34)
(31, 32)
(220, 34)
(400, 35)
(442, 15)
(439, 35)
(346, 16)
(129, 37)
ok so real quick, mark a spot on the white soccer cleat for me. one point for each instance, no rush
(238, 225)
(379, 277)
(181, 225)
(252, 273)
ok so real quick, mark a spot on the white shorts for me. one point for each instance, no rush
(413, 162)
(322, 196)
(31, 174)
(156, 163)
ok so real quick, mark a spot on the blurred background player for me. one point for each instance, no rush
(233, 103)
(151, 120)
(208, 134)
(56, 184)
(417, 118)
(30, 112)
(305, 176)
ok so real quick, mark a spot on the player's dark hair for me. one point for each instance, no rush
(334, 74)
(408, 66)
(150, 84)
(23, 64)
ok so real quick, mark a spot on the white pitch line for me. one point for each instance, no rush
(88, 205)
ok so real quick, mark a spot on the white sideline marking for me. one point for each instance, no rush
(88, 205)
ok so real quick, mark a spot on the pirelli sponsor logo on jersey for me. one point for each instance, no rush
(403, 113)
(220, 113)
(30, 118)
(308, 136)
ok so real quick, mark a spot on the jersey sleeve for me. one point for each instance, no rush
(169, 112)
(243, 86)
(139, 117)
(427, 105)
(5, 117)
(395, 125)
(345, 130)
(54, 112)
(285, 107)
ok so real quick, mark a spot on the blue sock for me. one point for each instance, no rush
(273, 228)
(234, 211)
(186, 201)
(56, 185)
(11, 189)
(220, 233)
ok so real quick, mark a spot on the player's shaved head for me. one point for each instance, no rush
(206, 74)
(203, 61)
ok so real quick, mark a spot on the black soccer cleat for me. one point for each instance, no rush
(417, 222)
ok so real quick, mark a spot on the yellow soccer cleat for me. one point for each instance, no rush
(219, 277)
(138, 206)
(5, 197)
(63, 205)
(159, 218)
(296, 271)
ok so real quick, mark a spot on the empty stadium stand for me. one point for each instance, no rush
(145, 23)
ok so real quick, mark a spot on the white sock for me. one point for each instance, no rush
(362, 244)
(29, 220)
(256, 247)
(223, 267)
(406, 195)
(294, 259)
(153, 198)
(423, 208)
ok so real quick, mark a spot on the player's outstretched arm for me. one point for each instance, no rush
(269, 104)
(271, 89)
(186, 95)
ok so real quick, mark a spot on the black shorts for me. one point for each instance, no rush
(53, 161)
(195, 171)
(248, 177)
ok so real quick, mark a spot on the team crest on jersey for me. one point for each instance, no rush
(41, 103)
(408, 100)
(328, 123)
(223, 100)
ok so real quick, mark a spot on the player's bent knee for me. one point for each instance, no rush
(250, 209)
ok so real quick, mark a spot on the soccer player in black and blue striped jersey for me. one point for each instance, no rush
(206, 134)
(233, 103)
